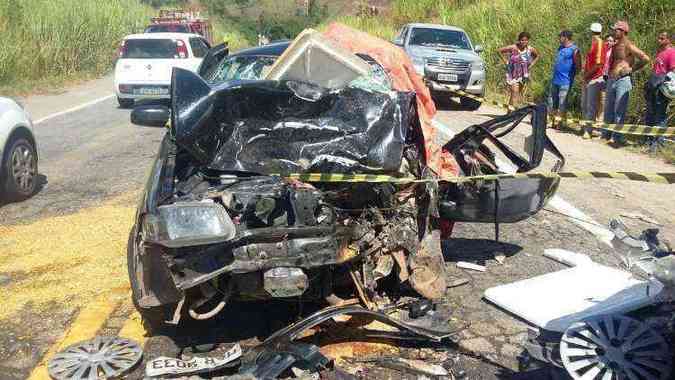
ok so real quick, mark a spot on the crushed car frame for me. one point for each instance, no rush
(220, 220)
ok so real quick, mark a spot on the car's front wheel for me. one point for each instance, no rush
(153, 317)
(469, 104)
(125, 103)
(20, 169)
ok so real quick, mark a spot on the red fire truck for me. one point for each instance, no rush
(181, 21)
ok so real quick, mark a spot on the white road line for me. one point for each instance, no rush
(73, 109)
(575, 215)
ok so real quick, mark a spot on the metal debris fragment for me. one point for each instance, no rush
(472, 266)
(163, 366)
(415, 366)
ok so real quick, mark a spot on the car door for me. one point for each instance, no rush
(200, 49)
(494, 148)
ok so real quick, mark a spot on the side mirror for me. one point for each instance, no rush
(478, 48)
(398, 41)
(150, 115)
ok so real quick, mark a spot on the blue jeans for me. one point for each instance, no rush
(590, 106)
(616, 105)
(657, 114)
(557, 97)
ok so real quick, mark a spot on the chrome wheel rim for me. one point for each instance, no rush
(24, 168)
(102, 357)
(614, 347)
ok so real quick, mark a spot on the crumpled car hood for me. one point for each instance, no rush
(270, 127)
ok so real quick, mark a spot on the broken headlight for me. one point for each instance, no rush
(188, 223)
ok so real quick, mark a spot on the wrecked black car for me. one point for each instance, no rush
(287, 189)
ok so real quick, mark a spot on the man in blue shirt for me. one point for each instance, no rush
(567, 63)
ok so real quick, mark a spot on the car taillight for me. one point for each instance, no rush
(181, 49)
(122, 50)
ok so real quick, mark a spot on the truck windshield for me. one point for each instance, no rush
(241, 67)
(439, 38)
(150, 48)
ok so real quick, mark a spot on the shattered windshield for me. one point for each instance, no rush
(242, 67)
(440, 38)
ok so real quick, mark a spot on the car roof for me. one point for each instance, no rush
(435, 26)
(159, 36)
(272, 49)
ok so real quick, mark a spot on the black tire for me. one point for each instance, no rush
(469, 104)
(19, 169)
(125, 103)
(153, 317)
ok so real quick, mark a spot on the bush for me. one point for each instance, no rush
(61, 38)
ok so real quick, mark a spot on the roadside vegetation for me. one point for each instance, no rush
(491, 23)
(47, 42)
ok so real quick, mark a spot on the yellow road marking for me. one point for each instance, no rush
(133, 329)
(88, 322)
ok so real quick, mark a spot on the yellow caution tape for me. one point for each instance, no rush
(663, 178)
(628, 129)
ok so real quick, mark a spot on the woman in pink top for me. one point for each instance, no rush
(519, 59)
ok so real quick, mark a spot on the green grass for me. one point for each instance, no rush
(46, 42)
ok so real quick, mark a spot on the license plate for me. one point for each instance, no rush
(447, 77)
(152, 91)
(163, 366)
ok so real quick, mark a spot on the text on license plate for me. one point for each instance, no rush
(152, 91)
(447, 77)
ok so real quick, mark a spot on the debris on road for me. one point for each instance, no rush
(615, 347)
(101, 357)
(458, 282)
(566, 257)
(472, 266)
(163, 366)
(554, 301)
(413, 366)
(644, 218)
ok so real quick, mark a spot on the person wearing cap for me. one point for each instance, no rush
(625, 59)
(594, 81)
(568, 60)
(657, 102)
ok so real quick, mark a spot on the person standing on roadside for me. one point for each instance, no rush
(622, 65)
(609, 45)
(567, 62)
(519, 59)
(657, 102)
(594, 80)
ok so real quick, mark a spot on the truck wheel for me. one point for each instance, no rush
(153, 317)
(469, 104)
(20, 169)
(125, 103)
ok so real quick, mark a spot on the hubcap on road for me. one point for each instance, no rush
(23, 168)
(102, 357)
(614, 347)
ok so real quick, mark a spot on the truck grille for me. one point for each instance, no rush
(456, 65)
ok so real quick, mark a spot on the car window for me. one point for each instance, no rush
(199, 48)
(150, 48)
(167, 28)
(242, 67)
(439, 38)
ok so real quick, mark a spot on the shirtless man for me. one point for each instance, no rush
(623, 64)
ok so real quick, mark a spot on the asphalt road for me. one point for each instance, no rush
(62, 252)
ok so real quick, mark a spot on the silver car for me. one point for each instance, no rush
(18, 152)
(445, 57)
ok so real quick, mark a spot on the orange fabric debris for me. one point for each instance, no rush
(404, 78)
